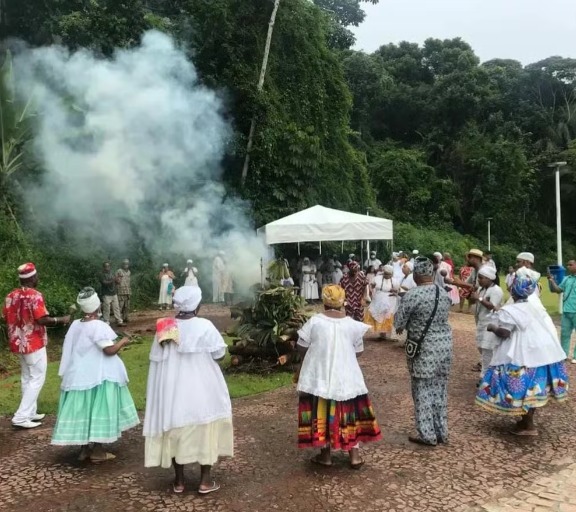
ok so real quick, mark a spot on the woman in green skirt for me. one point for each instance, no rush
(95, 404)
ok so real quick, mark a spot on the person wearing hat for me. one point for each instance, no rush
(334, 410)
(525, 267)
(527, 367)
(95, 403)
(26, 319)
(188, 417)
(124, 275)
(488, 298)
(372, 261)
(166, 278)
(423, 313)
(190, 274)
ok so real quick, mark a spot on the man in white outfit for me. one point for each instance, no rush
(373, 261)
(26, 318)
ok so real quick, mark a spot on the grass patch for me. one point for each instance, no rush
(135, 358)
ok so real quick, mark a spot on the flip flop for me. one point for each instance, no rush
(532, 433)
(358, 465)
(214, 488)
(108, 456)
(177, 490)
(316, 460)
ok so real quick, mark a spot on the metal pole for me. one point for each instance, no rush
(489, 234)
(558, 228)
(368, 241)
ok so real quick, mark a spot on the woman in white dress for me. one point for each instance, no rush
(190, 274)
(488, 298)
(334, 410)
(95, 403)
(309, 288)
(166, 278)
(384, 303)
(188, 415)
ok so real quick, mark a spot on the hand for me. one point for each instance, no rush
(65, 320)
(125, 340)
(549, 276)
(474, 296)
(491, 328)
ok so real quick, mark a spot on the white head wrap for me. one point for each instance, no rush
(526, 256)
(189, 262)
(388, 269)
(528, 272)
(187, 298)
(415, 251)
(165, 265)
(488, 271)
(88, 300)
(439, 256)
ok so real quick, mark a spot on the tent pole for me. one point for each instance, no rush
(298, 248)
(342, 250)
(320, 247)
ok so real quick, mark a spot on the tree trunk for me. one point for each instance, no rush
(259, 89)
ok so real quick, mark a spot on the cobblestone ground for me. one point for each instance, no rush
(483, 468)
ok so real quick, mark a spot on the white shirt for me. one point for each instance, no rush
(84, 365)
(330, 368)
(373, 263)
(485, 339)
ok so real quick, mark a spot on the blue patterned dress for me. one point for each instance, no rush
(430, 369)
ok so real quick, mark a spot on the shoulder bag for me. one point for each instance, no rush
(412, 347)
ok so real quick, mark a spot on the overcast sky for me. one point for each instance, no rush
(525, 30)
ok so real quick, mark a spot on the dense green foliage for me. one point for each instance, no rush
(427, 134)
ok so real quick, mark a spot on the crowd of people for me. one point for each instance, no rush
(521, 368)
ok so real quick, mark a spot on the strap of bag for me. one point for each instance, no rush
(437, 299)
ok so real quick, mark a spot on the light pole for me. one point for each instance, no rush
(368, 241)
(489, 234)
(557, 166)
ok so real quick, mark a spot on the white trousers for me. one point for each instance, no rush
(107, 301)
(33, 376)
(486, 357)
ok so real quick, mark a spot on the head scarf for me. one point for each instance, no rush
(189, 262)
(373, 254)
(167, 331)
(88, 300)
(523, 286)
(333, 296)
(187, 298)
(415, 252)
(388, 269)
(488, 271)
(353, 265)
(438, 255)
(526, 256)
(423, 267)
(165, 265)
(126, 261)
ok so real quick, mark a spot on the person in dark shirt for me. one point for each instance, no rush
(109, 293)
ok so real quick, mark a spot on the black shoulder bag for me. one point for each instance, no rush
(412, 347)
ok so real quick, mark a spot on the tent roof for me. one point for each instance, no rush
(320, 224)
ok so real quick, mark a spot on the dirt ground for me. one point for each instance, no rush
(482, 461)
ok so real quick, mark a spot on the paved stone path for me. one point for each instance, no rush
(483, 468)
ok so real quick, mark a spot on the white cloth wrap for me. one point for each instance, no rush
(89, 304)
(185, 383)
(330, 368)
(383, 304)
(533, 341)
(84, 364)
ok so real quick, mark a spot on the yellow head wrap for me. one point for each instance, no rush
(333, 296)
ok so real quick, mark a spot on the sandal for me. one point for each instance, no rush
(178, 489)
(107, 456)
(214, 488)
(358, 465)
(316, 460)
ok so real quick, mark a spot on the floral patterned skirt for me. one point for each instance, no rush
(339, 425)
(513, 390)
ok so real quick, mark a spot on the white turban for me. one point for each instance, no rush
(488, 271)
(189, 262)
(526, 256)
(88, 300)
(438, 255)
(528, 272)
(187, 298)
(388, 269)
(415, 251)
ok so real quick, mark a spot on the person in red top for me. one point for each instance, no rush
(26, 318)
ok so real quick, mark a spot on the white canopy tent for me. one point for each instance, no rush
(320, 224)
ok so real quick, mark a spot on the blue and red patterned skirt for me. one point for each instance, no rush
(514, 390)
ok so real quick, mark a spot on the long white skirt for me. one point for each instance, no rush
(165, 297)
(195, 443)
(309, 289)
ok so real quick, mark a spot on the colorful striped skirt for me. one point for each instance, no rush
(514, 390)
(339, 425)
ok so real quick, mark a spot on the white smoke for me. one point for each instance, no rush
(135, 143)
